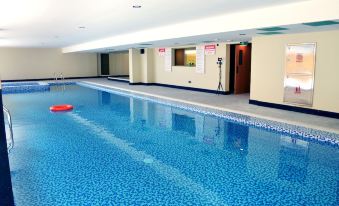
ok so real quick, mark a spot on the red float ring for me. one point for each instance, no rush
(61, 108)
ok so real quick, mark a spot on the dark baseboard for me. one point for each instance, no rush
(118, 76)
(118, 80)
(296, 109)
(144, 84)
(46, 79)
(182, 87)
(6, 192)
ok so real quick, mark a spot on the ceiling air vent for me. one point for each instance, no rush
(146, 44)
(207, 41)
(270, 33)
(321, 23)
(275, 28)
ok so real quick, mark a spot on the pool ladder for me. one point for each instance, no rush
(61, 77)
(10, 145)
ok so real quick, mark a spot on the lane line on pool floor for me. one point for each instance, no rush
(165, 170)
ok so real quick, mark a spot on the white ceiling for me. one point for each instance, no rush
(55, 23)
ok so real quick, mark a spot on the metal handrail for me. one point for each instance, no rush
(9, 119)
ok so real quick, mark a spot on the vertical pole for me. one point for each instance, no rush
(6, 192)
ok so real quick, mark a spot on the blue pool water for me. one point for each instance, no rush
(120, 150)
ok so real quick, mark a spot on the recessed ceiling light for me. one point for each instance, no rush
(136, 6)
(82, 27)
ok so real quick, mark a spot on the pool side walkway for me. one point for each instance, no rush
(231, 103)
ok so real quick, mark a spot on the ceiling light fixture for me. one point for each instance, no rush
(136, 6)
(82, 27)
(242, 34)
(244, 43)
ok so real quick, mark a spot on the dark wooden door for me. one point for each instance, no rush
(242, 74)
(104, 64)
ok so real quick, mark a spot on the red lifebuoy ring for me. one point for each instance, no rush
(61, 108)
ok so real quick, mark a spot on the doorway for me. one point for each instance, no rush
(104, 64)
(240, 68)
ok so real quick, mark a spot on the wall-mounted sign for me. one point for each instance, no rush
(168, 59)
(200, 60)
(161, 51)
(210, 49)
(299, 73)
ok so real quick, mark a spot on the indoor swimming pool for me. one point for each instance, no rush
(122, 149)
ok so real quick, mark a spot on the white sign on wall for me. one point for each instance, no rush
(168, 59)
(200, 59)
(161, 51)
(210, 49)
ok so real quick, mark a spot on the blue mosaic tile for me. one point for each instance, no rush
(61, 83)
(116, 148)
(24, 87)
(283, 128)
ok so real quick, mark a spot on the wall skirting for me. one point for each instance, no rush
(296, 109)
(182, 87)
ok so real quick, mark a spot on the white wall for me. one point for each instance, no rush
(35, 63)
(119, 63)
(267, 72)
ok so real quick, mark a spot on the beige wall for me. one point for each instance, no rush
(267, 73)
(119, 63)
(34, 63)
(141, 66)
(181, 75)
(135, 74)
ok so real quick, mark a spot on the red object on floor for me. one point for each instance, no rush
(61, 108)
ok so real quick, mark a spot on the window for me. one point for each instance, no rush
(185, 57)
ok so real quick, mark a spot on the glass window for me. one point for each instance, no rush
(185, 57)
